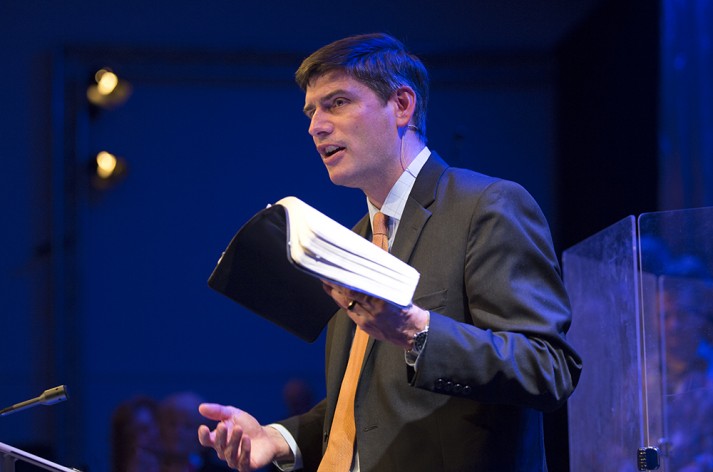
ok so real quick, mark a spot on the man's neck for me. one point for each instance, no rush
(411, 147)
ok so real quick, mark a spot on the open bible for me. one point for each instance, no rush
(275, 263)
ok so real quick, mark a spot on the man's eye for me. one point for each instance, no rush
(338, 102)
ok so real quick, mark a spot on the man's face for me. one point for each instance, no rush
(355, 133)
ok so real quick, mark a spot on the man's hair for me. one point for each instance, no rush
(377, 60)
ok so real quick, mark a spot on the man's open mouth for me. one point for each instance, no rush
(331, 150)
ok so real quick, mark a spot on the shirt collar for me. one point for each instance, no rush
(395, 202)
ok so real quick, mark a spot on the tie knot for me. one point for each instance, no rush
(380, 231)
(380, 223)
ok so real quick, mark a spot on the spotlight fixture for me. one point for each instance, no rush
(107, 90)
(106, 170)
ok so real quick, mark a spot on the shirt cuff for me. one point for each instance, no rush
(296, 462)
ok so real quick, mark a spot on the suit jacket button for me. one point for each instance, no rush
(457, 388)
(467, 390)
(438, 385)
(448, 387)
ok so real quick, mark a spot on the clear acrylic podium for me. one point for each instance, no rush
(10, 455)
(642, 301)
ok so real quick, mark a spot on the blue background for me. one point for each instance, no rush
(105, 291)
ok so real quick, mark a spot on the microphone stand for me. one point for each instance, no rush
(9, 455)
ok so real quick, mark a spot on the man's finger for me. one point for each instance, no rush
(245, 447)
(214, 411)
(204, 436)
(232, 448)
(220, 439)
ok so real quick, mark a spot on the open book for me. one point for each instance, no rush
(275, 263)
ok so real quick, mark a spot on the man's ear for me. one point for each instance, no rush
(404, 100)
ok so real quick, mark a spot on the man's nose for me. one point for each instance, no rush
(319, 124)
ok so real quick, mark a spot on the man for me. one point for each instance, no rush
(457, 381)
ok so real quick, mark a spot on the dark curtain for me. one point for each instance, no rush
(686, 129)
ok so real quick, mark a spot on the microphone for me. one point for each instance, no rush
(48, 397)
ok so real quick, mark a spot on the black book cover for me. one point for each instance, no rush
(256, 271)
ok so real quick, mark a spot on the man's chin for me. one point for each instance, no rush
(341, 179)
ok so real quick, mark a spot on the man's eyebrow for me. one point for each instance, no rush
(310, 107)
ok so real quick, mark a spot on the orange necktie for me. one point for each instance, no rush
(340, 448)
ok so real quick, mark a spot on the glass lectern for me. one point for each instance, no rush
(642, 302)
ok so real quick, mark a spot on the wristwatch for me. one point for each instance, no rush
(419, 341)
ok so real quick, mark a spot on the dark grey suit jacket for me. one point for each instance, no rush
(496, 355)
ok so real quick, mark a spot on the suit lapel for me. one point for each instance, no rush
(416, 212)
(414, 218)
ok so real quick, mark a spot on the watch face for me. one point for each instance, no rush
(419, 340)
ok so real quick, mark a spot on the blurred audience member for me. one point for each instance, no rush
(179, 420)
(135, 439)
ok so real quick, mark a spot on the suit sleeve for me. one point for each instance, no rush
(509, 347)
(306, 429)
